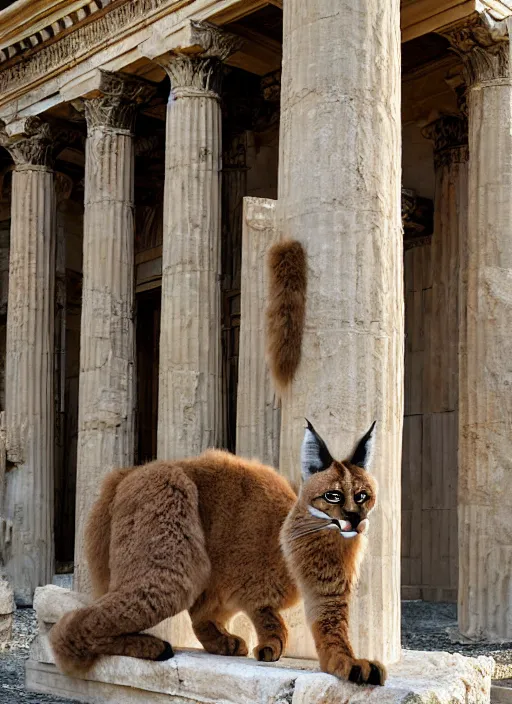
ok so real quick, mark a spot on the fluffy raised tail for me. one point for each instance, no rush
(286, 309)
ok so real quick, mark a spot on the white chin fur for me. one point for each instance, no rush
(348, 533)
(363, 526)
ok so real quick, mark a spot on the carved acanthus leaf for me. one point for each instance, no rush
(408, 204)
(126, 86)
(271, 86)
(200, 72)
(117, 106)
(32, 144)
(417, 218)
(483, 45)
(450, 137)
(214, 42)
(193, 75)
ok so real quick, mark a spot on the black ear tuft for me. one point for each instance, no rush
(363, 452)
(315, 457)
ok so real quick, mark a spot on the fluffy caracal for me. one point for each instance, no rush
(218, 534)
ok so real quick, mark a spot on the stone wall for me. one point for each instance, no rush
(429, 549)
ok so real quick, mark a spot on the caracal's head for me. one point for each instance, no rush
(339, 495)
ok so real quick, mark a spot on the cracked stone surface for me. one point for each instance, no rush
(425, 627)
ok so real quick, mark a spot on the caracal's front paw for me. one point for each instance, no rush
(269, 651)
(354, 670)
(228, 645)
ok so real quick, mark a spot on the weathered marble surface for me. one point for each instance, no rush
(195, 676)
(258, 413)
(29, 402)
(485, 348)
(340, 195)
(213, 679)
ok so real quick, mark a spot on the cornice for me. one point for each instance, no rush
(35, 28)
(111, 19)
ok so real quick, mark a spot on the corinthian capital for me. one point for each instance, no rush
(120, 97)
(30, 142)
(195, 67)
(483, 45)
(450, 137)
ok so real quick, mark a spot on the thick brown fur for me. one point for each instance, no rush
(286, 309)
(205, 535)
(199, 534)
(325, 566)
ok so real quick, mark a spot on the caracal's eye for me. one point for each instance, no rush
(333, 497)
(361, 497)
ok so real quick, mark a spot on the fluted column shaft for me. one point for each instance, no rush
(339, 194)
(258, 413)
(29, 412)
(189, 409)
(439, 461)
(189, 393)
(107, 352)
(485, 347)
(449, 135)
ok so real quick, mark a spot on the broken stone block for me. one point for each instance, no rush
(7, 609)
(52, 602)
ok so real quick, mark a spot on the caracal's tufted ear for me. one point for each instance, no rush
(314, 455)
(362, 456)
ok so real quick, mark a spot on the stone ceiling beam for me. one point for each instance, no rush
(420, 17)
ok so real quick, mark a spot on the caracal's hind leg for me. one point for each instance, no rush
(208, 621)
(271, 632)
(158, 567)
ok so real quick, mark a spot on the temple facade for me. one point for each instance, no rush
(151, 153)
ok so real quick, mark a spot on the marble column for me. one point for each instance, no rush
(189, 395)
(441, 367)
(29, 405)
(339, 195)
(485, 342)
(258, 412)
(189, 413)
(107, 350)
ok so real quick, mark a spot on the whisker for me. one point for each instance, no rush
(308, 531)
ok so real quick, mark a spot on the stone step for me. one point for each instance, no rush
(196, 677)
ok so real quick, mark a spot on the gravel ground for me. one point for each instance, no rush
(430, 626)
(425, 626)
(12, 662)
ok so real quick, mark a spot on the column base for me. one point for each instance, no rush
(195, 676)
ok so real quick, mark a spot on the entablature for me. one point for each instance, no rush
(41, 60)
(50, 49)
